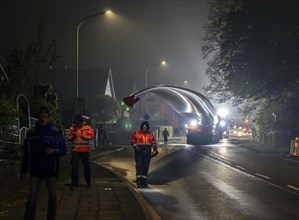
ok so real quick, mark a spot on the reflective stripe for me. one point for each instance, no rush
(143, 139)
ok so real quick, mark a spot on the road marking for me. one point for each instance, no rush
(220, 158)
(242, 168)
(106, 153)
(266, 177)
(108, 189)
(234, 193)
(248, 174)
(293, 187)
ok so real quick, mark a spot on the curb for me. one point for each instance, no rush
(149, 210)
(106, 153)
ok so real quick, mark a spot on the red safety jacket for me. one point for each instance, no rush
(140, 139)
(83, 135)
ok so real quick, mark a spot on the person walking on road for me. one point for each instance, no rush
(165, 135)
(143, 141)
(43, 147)
(80, 134)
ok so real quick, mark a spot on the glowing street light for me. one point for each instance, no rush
(222, 112)
(77, 45)
(186, 83)
(163, 63)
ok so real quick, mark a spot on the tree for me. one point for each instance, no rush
(254, 49)
(105, 109)
(28, 69)
(8, 113)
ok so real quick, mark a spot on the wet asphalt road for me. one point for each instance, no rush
(222, 181)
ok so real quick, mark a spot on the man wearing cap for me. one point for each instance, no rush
(143, 141)
(80, 134)
(43, 146)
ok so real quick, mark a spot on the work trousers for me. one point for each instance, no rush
(142, 159)
(165, 139)
(34, 188)
(84, 156)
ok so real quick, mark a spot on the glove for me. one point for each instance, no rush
(49, 145)
(84, 138)
(154, 153)
(50, 151)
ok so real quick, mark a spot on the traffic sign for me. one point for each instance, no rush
(146, 117)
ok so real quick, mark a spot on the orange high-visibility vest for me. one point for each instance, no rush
(83, 135)
(140, 138)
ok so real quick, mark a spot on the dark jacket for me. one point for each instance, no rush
(35, 158)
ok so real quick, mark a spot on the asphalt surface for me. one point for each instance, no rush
(113, 194)
(235, 179)
(109, 196)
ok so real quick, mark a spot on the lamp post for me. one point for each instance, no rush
(148, 69)
(146, 73)
(77, 61)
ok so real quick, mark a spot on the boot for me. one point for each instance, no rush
(143, 182)
(139, 182)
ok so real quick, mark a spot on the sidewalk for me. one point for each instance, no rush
(109, 197)
(257, 147)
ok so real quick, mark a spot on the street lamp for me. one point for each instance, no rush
(163, 62)
(78, 28)
(186, 84)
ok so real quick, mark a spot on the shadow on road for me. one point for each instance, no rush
(169, 203)
(174, 166)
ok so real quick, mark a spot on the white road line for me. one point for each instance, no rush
(242, 168)
(220, 158)
(293, 187)
(266, 177)
(245, 173)
(106, 153)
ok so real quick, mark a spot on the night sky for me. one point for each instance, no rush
(136, 35)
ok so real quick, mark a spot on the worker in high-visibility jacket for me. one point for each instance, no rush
(143, 142)
(80, 134)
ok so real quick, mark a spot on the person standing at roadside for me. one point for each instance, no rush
(165, 135)
(80, 134)
(143, 141)
(43, 147)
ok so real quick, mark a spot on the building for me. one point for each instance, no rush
(92, 82)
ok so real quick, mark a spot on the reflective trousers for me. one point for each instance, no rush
(142, 159)
(84, 156)
(34, 187)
